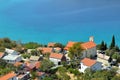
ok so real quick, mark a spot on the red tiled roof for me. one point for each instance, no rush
(30, 65)
(18, 64)
(37, 64)
(56, 55)
(88, 45)
(8, 76)
(46, 50)
(51, 44)
(1, 54)
(88, 62)
(70, 44)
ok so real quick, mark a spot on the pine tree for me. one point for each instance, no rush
(102, 45)
(112, 43)
(105, 46)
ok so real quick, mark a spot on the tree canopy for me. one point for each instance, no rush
(75, 52)
(112, 45)
(32, 45)
(7, 43)
(102, 46)
(59, 45)
(46, 65)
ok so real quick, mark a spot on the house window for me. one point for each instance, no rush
(59, 63)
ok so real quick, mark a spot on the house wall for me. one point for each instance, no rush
(83, 67)
(55, 61)
(14, 61)
(89, 52)
(97, 66)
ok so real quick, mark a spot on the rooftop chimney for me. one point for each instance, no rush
(91, 38)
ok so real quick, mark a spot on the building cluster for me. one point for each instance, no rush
(56, 55)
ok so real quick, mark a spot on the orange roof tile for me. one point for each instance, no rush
(18, 64)
(88, 62)
(37, 64)
(1, 54)
(69, 44)
(51, 44)
(56, 55)
(88, 45)
(46, 50)
(8, 76)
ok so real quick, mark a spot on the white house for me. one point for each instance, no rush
(91, 64)
(89, 48)
(57, 58)
(12, 58)
(9, 76)
(34, 58)
(10, 51)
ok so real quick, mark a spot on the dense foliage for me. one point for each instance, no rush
(5, 67)
(75, 51)
(32, 45)
(59, 45)
(7, 43)
(112, 45)
(46, 65)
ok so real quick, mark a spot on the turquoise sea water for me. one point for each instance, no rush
(46, 21)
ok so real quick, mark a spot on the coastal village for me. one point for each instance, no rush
(74, 61)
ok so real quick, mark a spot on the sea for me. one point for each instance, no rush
(45, 21)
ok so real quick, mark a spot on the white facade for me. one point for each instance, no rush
(10, 51)
(96, 66)
(90, 52)
(12, 58)
(55, 61)
(83, 67)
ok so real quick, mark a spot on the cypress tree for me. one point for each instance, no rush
(112, 45)
(102, 46)
(105, 46)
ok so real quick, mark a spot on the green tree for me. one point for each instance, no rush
(47, 78)
(75, 52)
(26, 56)
(102, 45)
(33, 74)
(116, 48)
(115, 56)
(6, 40)
(116, 78)
(35, 53)
(88, 74)
(62, 74)
(3, 63)
(32, 45)
(112, 45)
(59, 45)
(46, 65)
(105, 46)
